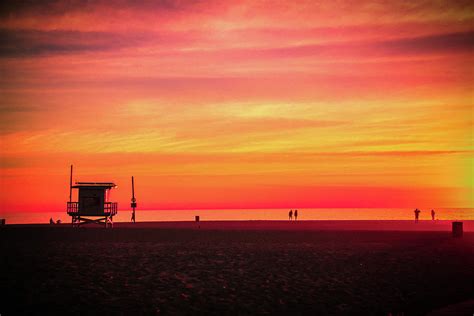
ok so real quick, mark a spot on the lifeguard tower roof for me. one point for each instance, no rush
(102, 185)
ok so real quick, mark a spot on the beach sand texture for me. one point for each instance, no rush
(269, 270)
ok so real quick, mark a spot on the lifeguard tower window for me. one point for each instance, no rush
(91, 200)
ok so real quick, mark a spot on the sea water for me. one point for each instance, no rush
(253, 214)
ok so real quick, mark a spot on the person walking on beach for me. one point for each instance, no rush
(432, 215)
(417, 215)
(296, 215)
(290, 215)
(133, 217)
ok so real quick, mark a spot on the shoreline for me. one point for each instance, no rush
(304, 225)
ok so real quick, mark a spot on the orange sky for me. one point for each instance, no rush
(240, 104)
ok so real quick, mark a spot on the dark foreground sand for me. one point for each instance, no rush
(241, 268)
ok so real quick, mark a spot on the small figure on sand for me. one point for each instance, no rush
(296, 215)
(58, 221)
(433, 215)
(133, 217)
(417, 215)
(290, 215)
(51, 221)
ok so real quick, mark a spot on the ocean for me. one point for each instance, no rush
(253, 214)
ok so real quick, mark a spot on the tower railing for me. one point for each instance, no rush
(72, 207)
(110, 208)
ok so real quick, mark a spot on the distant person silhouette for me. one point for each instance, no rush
(296, 215)
(51, 222)
(290, 215)
(417, 215)
(433, 215)
(133, 217)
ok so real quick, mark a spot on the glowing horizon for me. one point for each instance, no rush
(248, 104)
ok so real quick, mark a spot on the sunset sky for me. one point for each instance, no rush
(238, 104)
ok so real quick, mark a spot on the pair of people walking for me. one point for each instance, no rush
(290, 215)
(417, 215)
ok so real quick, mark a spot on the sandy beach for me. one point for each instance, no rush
(259, 267)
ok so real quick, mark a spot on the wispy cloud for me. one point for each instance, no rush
(24, 43)
(317, 93)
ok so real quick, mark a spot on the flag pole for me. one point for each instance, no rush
(70, 186)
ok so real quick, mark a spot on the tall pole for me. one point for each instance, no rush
(133, 190)
(133, 204)
(70, 186)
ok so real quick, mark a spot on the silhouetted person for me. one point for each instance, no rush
(432, 215)
(58, 221)
(290, 215)
(133, 217)
(296, 215)
(417, 215)
(51, 222)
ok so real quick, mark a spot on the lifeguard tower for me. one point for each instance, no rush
(93, 205)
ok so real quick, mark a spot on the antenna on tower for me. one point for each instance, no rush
(70, 186)
(134, 201)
